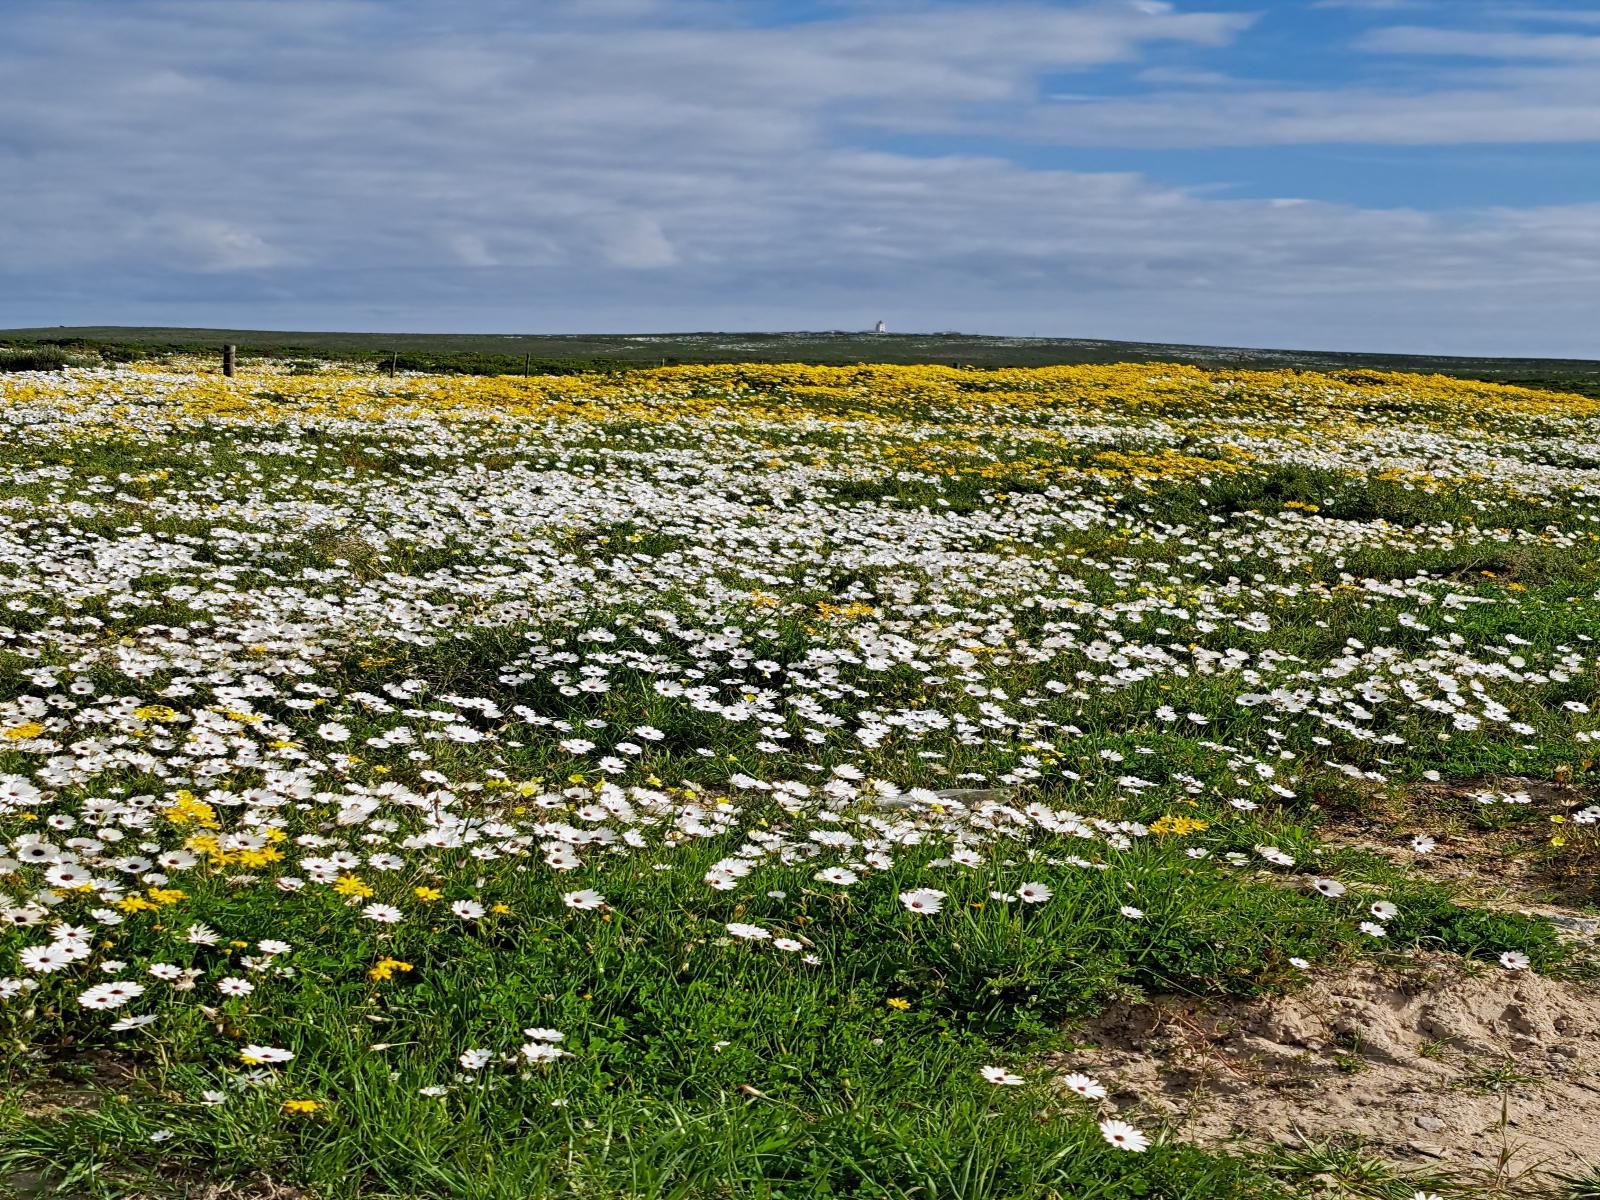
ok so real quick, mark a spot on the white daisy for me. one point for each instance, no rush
(1123, 1136)
(1086, 1086)
(923, 900)
(1000, 1076)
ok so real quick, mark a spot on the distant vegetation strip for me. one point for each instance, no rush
(512, 354)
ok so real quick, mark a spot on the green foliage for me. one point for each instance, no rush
(38, 358)
(486, 354)
(1582, 1186)
(1432, 920)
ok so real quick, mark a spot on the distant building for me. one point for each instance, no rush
(880, 327)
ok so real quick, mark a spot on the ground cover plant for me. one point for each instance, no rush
(734, 780)
(516, 354)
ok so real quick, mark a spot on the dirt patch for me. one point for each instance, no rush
(1499, 856)
(1490, 870)
(85, 1082)
(1439, 1062)
(31, 1185)
(80, 1083)
(260, 1188)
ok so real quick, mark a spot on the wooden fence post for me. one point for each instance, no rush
(228, 359)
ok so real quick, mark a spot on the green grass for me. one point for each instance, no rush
(698, 1064)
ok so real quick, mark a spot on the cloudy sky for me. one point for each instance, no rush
(1344, 174)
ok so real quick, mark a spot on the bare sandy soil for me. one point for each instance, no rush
(1459, 1066)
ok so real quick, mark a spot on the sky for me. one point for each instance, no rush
(1386, 175)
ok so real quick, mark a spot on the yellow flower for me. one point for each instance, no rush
(188, 809)
(845, 611)
(350, 885)
(427, 893)
(1177, 825)
(21, 733)
(896, 1003)
(300, 1106)
(385, 969)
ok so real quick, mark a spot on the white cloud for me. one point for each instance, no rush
(1501, 108)
(207, 244)
(1559, 16)
(470, 249)
(663, 164)
(1411, 39)
(1184, 77)
(1373, 5)
(636, 241)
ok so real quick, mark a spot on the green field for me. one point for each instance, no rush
(749, 781)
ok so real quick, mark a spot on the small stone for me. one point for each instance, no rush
(1431, 1124)
(971, 796)
(1426, 1150)
(1584, 925)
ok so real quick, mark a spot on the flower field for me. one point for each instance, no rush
(736, 780)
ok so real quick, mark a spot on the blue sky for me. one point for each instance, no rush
(1416, 175)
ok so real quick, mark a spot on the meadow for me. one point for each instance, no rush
(742, 780)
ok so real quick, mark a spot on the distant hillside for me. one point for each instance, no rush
(502, 353)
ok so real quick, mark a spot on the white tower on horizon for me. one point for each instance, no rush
(880, 327)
